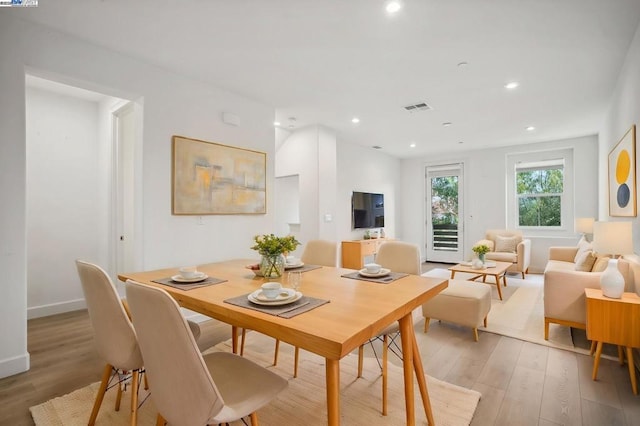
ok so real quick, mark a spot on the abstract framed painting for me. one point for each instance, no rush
(622, 176)
(211, 178)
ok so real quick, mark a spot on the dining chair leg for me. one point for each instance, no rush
(275, 353)
(135, 376)
(475, 334)
(295, 362)
(426, 324)
(119, 395)
(593, 348)
(146, 382)
(360, 359)
(254, 418)
(100, 396)
(244, 334)
(160, 421)
(385, 354)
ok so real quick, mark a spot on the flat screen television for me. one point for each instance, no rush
(367, 210)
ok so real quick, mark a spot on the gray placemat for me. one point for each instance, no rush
(381, 280)
(189, 286)
(305, 268)
(289, 310)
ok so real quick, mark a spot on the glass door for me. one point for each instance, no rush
(444, 210)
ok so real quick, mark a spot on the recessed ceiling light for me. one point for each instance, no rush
(462, 64)
(393, 6)
(446, 124)
(355, 120)
(412, 145)
(512, 85)
(530, 129)
(276, 123)
(460, 142)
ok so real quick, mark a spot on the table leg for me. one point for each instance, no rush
(453, 274)
(406, 332)
(333, 391)
(422, 382)
(234, 339)
(498, 285)
(632, 370)
(596, 361)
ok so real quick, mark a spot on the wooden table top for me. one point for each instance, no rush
(358, 310)
(500, 268)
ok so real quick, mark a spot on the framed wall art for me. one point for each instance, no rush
(622, 176)
(210, 178)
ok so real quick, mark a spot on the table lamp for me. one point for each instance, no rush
(584, 226)
(613, 238)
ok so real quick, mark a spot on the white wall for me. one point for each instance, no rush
(64, 199)
(172, 105)
(367, 170)
(485, 193)
(623, 112)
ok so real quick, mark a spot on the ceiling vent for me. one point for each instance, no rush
(422, 106)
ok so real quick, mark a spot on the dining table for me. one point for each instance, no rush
(353, 311)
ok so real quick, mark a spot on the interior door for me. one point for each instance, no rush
(444, 229)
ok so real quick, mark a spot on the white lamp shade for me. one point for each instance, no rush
(584, 225)
(613, 238)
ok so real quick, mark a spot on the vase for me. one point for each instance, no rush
(272, 266)
(481, 257)
(612, 281)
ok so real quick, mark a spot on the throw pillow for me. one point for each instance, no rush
(583, 246)
(506, 244)
(601, 264)
(586, 261)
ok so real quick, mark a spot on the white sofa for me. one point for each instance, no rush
(564, 299)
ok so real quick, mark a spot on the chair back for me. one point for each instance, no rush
(113, 332)
(320, 252)
(399, 257)
(492, 234)
(183, 390)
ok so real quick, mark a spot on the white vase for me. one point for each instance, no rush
(612, 281)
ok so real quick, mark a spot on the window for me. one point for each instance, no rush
(540, 188)
(540, 192)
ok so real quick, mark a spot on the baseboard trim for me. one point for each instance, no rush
(15, 365)
(55, 308)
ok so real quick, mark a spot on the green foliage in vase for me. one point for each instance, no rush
(270, 245)
(481, 249)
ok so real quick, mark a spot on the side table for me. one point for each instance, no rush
(615, 321)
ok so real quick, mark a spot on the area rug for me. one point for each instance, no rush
(521, 312)
(302, 403)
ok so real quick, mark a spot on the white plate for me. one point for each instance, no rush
(381, 273)
(293, 265)
(285, 294)
(180, 279)
(252, 299)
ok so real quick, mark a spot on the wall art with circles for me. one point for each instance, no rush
(622, 176)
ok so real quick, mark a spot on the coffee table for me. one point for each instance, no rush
(498, 272)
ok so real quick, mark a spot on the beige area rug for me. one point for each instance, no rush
(521, 312)
(302, 403)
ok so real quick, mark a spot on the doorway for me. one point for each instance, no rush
(444, 229)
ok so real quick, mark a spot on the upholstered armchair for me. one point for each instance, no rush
(508, 246)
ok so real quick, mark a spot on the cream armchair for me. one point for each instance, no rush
(508, 246)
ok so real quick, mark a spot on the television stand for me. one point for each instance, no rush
(354, 251)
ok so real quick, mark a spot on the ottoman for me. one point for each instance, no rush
(463, 302)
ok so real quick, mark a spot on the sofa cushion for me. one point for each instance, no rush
(506, 244)
(586, 261)
(559, 265)
(502, 257)
(600, 264)
(583, 246)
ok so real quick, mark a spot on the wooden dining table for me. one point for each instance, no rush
(357, 311)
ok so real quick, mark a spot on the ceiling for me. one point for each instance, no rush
(327, 61)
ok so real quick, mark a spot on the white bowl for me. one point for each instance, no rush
(271, 290)
(372, 268)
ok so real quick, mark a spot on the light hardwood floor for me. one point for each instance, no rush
(521, 383)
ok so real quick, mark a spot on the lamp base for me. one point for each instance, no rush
(612, 281)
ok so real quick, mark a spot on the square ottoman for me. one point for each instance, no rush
(464, 302)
